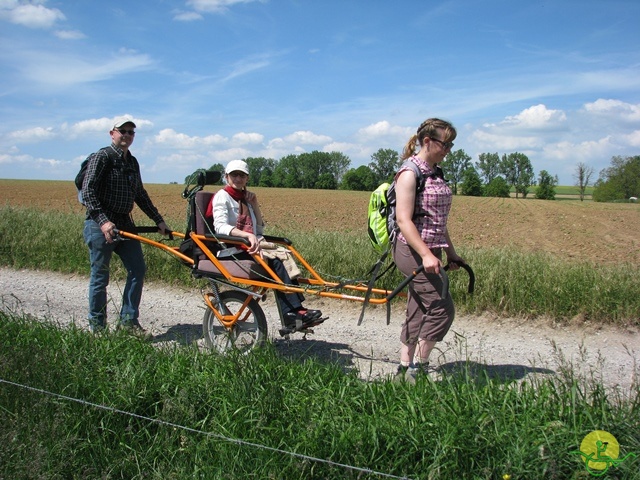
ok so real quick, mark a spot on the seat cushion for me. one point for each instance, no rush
(237, 268)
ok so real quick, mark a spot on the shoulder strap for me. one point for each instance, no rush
(420, 180)
(111, 154)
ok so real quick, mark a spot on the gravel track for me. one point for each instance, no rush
(504, 348)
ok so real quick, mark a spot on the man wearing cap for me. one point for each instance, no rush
(111, 186)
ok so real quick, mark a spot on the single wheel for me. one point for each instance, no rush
(248, 332)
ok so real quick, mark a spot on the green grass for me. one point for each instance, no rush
(176, 412)
(508, 282)
(141, 411)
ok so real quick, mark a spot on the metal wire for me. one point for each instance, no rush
(193, 430)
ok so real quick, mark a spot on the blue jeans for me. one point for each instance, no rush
(100, 252)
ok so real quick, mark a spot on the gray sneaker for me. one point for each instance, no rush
(135, 330)
(97, 329)
(423, 370)
(403, 374)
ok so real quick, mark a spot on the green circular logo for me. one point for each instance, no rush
(600, 449)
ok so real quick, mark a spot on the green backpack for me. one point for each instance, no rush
(382, 226)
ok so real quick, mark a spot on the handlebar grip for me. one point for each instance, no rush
(147, 229)
(472, 277)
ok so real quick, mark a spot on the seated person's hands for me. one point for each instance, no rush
(254, 248)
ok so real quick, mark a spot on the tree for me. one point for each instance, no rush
(310, 170)
(620, 181)
(361, 178)
(259, 167)
(287, 173)
(338, 164)
(454, 165)
(518, 172)
(385, 162)
(326, 181)
(498, 187)
(471, 183)
(311, 166)
(546, 186)
(489, 166)
(583, 177)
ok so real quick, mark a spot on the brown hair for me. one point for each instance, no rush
(428, 128)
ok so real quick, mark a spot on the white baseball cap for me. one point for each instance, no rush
(237, 166)
(123, 121)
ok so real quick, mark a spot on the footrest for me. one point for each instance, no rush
(299, 327)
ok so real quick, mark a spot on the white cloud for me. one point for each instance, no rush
(185, 162)
(383, 129)
(50, 69)
(225, 156)
(103, 124)
(32, 135)
(32, 163)
(633, 139)
(186, 16)
(214, 6)
(243, 138)
(498, 141)
(349, 149)
(306, 138)
(580, 151)
(69, 34)
(615, 109)
(30, 15)
(246, 66)
(171, 138)
(535, 117)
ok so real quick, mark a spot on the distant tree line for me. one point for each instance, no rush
(491, 176)
(619, 182)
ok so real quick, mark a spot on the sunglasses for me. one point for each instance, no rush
(445, 145)
(123, 132)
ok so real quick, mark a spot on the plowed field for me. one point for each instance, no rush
(597, 232)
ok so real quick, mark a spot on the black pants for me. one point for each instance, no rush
(288, 302)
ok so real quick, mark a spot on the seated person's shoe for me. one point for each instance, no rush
(314, 314)
(307, 317)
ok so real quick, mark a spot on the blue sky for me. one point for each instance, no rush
(209, 81)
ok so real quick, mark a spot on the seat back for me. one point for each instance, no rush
(203, 224)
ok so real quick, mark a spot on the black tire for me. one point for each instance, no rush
(246, 334)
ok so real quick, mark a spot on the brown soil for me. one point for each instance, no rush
(602, 233)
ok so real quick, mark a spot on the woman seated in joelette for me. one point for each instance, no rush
(236, 212)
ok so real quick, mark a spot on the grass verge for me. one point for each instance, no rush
(509, 282)
(112, 406)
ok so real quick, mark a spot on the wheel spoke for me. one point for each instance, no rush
(248, 332)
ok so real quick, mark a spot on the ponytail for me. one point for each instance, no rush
(428, 128)
(410, 148)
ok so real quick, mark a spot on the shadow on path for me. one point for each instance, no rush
(481, 372)
(184, 334)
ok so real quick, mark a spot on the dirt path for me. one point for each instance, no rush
(502, 347)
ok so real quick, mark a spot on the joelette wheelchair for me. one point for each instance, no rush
(234, 317)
